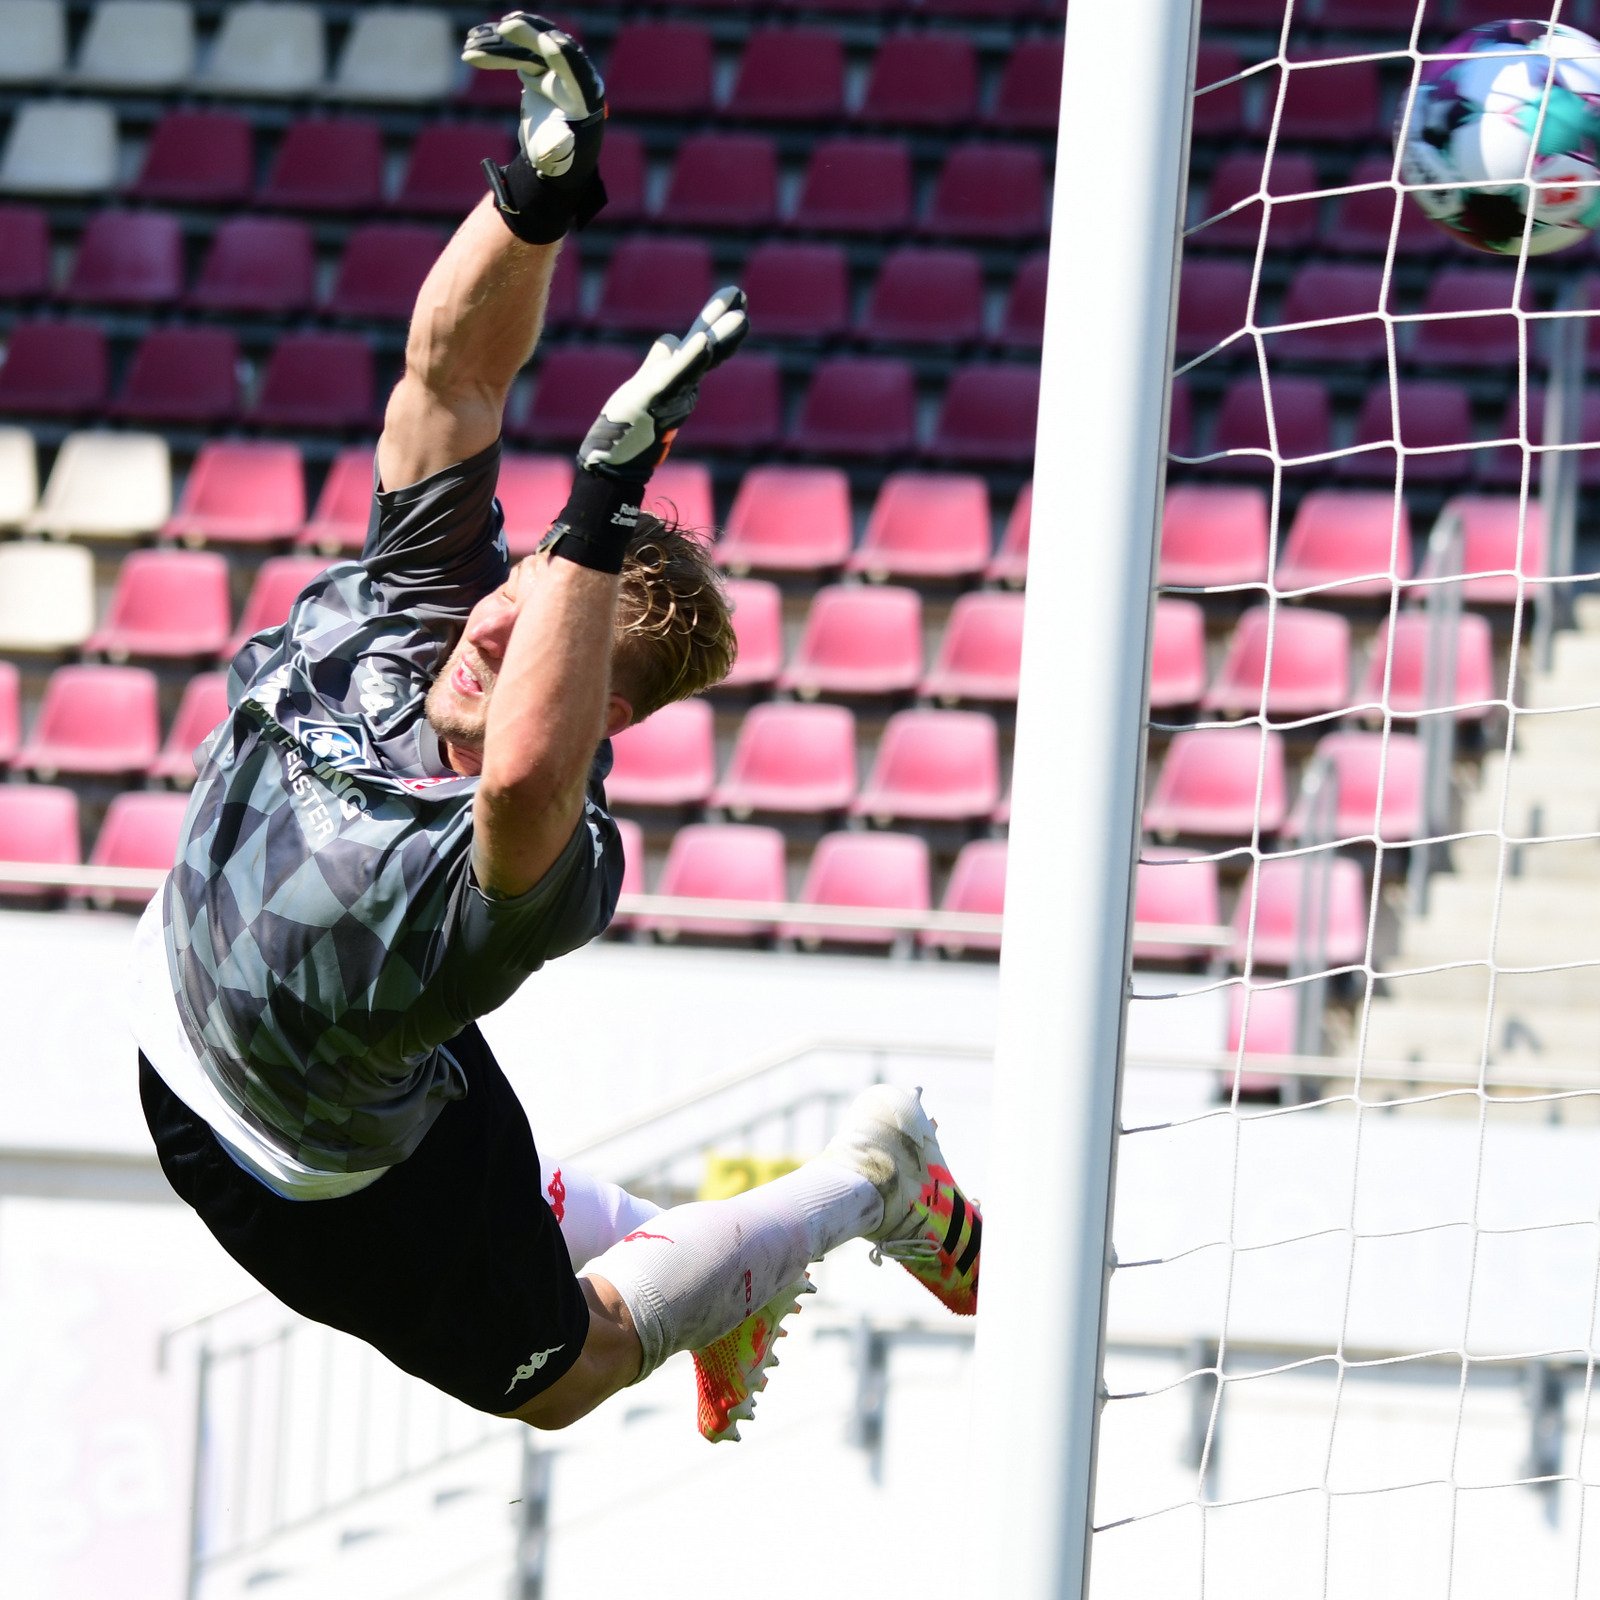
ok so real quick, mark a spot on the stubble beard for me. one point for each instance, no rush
(457, 721)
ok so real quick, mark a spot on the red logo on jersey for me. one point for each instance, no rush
(557, 1192)
(415, 784)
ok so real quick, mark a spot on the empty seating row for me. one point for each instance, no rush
(1439, 17)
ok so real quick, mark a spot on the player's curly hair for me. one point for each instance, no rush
(674, 633)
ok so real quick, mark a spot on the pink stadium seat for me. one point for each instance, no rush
(758, 626)
(1310, 661)
(934, 766)
(56, 369)
(24, 252)
(1276, 889)
(570, 386)
(257, 264)
(1322, 291)
(923, 296)
(1177, 654)
(990, 192)
(977, 887)
(444, 176)
(382, 268)
(980, 654)
(182, 375)
(1496, 547)
(788, 519)
(888, 871)
(858, 406)
(1219, 94)
(1213, 536)
(660, 69)
(622, 165)
(922, 80)
(10, 712)
(666, 760)
(94, 721)
(142, 828)
(858, 640)
(1476, 683)
(203, 706)
(792, 758)
(926, 525)
(318, 380)
(1171, 891)
(1267, 1028)
(531, 490)
(38, 825)
(167, 604)
(1363, 222)
(1213, 298)
(990, 414)
(1363, 807)
(128, 258)
(1208, 783)
(1028, 96)
(338, 525)
(1432, 414)
(1481, 330)
(1022, 317)
(856, 186)
(680, 492)
(1238, 179)
(629, 831)
(723, 180)
(279, 582)
(789, 75)
(721, 861)
(327, 164)
(740, 405)
(803, 289)
(1300, 413)
(241, 493)
(1346, 539)
(1010, 561)
(1339, 101)
(651, 284)
(197, 158)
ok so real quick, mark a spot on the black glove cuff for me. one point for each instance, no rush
(539, 211)
(599, 519)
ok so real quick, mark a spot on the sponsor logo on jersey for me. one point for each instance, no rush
(418, 784)
(377, 693)
(302, 763)
(328, 745)
(590, 812)
(531, 1366)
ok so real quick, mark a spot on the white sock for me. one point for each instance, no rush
(593, 1214)
(699, 1270)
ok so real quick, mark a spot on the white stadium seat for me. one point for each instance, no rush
(33, 40)
(266, 49)
(19, 477)
(405, 55)
(46, 596)
(142, 45)
(60, 147)
(106, 486)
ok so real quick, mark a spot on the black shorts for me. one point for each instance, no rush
(451, 1264)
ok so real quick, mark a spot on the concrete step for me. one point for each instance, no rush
(1523, 1042)
(1480, 857)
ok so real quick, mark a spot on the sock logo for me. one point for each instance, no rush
(641, 1234)
(747, 1289)
(557, 1192)
(531, 1366)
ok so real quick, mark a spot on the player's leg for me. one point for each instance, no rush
(591, 1213)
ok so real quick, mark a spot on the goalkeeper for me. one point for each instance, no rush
(403, 816)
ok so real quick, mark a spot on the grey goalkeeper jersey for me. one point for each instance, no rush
(325, 932)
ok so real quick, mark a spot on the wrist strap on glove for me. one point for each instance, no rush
(536, 210)
(596, 524)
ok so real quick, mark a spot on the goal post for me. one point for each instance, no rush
(1099, 475)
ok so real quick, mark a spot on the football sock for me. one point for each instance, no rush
(592, 1213)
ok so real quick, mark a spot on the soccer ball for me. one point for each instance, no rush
(1472, 127)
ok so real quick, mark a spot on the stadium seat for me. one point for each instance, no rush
(182, 375)
(1022, 10)
(660, 69)
(758, 626)
(740, 405)
(1237, 180)
(977, 887)
(1177, 654)
(799, 759)
(278, 583)
(668, 759)
(926, 525)
(106, 486)
(38, 825)
(1372, 14)
(1492, 531)
(631, 836)
(623, 167)
(19, 476)
(531, 489)
(55, 369)
(858, 406)
(1213, 537)
(167, 605)
(197, 158)
(1266, 1029)
(922, 80)
(1285, 936)
(651, 284)
(721, 861)
(382, 269)
(1480, 330)
(680, 493)
(143, 829)
(1208, 784)
(1338, 101)
(402, 55)
(1503, 467)
(327, 164)
(1346, 540)
(1180, 419)
(1245, 14)
(923, 296)
(1362, 805)
(318, 380)
(265, 51)
(1301, 415)
(36, 41)
(1363, 222)
(137, 47)
(46, 596)
(338, 524)
(60, 147)
(990, 413)
(1321, 291)
(1213, 298)
(1476, 688)
(881, 871)
(856, 186)
(1171, 891)
(1309, 658)
(990, 192)
(1027, 98)
(257, 264)
(980, 653)
(1022, 316)
(1219, 104)
(1432, 414)
(722, 180)
(94, 721)
(24, 252)
(788, 519)
(10, 712)
(803, 289)
(241, 492)
(1010, 561)
(933, 766)
(570, 385)
(789, 75)
(203, 706)
(561, 306)
(128, 258)
(858, 640)
(444, 174)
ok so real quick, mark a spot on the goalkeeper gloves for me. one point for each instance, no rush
(553, 182)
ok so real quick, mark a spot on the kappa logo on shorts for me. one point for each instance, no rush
(531, 1366)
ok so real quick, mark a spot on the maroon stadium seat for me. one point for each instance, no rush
(925, 296)
(241, 493)
(1476, 681)
(570, 386)
(1213, 298)
(1431, 414)
(260, 264)
(1022, 319)
(1024, 10)
(888, 871)
(858, 640)
(1492, 532)
(803, 290)
(934, 766)
(279, 582)
(667, 760)
(338, 525)
(1208, 781)
(622, 165)
(318, 380)
(142, 828)
(1171, 891)
(1028, 96)
(1238, 179)
(789, 75)
(1218, 110)
(660, 69)
(721, 861)
(561, 304)
(980, 654)
(1363, 221)
(922, 80)
(1309, 657)
(654, 284)
(382, 269)
(532, 491)
(24, 252)
(38, 825)
(94, 721)
(166, 604)
(1010, 561)
(444, 176)
(54, 369)
(1245, 14)
(203, 706)
(977, 887)
(1177, 654)
(10, 712)
(856, 186)
(791, 758)
(788, 519)
(723, 180)
(1346, 538)
(1362, 803)
(1325, 290)
(1482, 330)
(1338, 102)
(758, 626)
(740, 405)
(1212, 536)
(327, 164)
(1503, 467)
(182, 375)
(858, 406)
(990, 192)
(128, 258)
(926, 525)
(990, 413)
(1282, 937)
(197, 158)
(1377, 15)
(1300, 413)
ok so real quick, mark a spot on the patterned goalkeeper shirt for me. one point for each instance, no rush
(325, 932)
